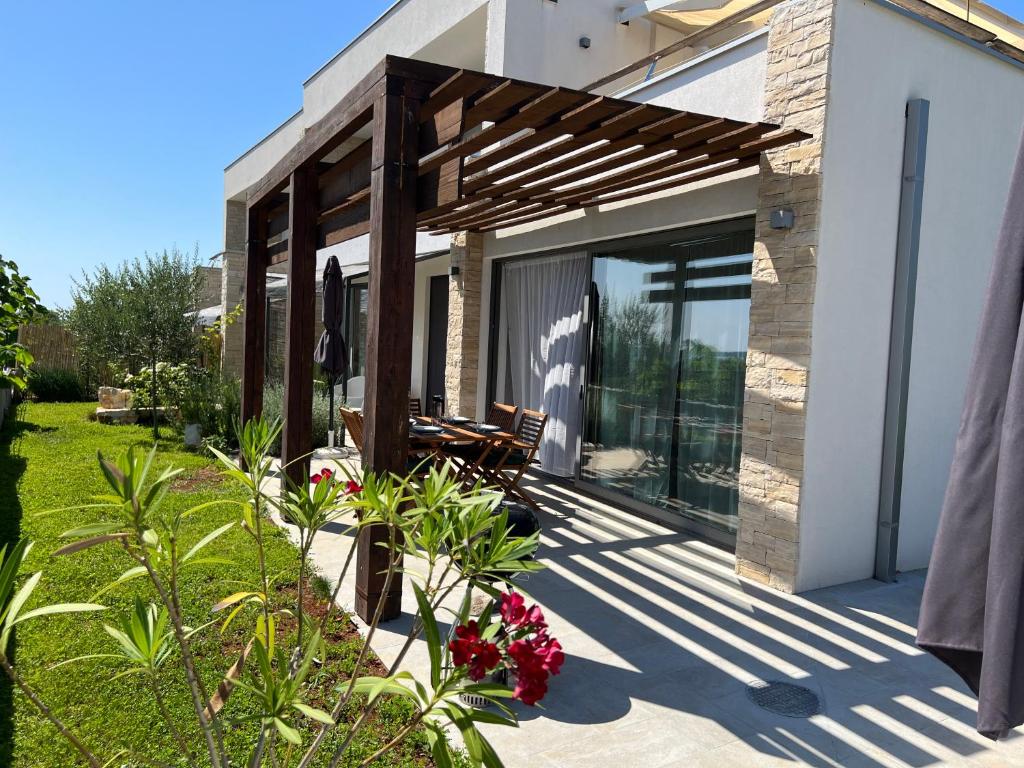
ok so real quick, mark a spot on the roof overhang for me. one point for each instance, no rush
(497, 152)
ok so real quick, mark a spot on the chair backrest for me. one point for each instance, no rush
(415, 407)
(356, 389)
(504, 416)
(531, 428)
(354, 424)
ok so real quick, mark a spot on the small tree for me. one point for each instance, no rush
(138, 314)
(163, 291)
(101, 320)
(19, 304)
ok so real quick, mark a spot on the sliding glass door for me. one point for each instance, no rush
(665, 373)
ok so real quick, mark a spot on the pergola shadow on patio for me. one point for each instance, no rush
(423, 146)
(662, 638)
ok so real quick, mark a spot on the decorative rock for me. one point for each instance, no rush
(115, 415)
(112, 398)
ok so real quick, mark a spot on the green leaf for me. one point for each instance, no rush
(314, 714)
(432, 633)
(131, 573)
(288, 733)
(78, 546)
(206, 540)
(95, 529)
(232, 599)
(50, 610)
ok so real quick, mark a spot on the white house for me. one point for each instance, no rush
(774, 358)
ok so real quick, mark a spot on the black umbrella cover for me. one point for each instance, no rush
(331, 351)
(972, 611)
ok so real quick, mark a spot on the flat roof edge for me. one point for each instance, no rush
(943, 29)
(387, 12)
(262, 141)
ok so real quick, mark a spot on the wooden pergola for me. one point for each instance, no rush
(424, 146)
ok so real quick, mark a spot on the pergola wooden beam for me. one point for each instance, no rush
(447, 150)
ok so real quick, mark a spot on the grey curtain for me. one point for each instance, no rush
(972, 612)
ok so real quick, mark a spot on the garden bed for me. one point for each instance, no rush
(48, 461)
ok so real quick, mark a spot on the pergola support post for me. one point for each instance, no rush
(254, 318)
(393, 175)
(297, 439)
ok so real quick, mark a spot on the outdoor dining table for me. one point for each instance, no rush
(453, 436)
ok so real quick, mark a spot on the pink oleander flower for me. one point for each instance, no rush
(353, 487)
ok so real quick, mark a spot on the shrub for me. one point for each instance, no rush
(461, 538)
(50, 385)
(273, 409)
(171, 383)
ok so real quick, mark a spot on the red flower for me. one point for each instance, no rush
(468, 648)
(323, 474)
(514, 613)
(353, 487)
(535, 658)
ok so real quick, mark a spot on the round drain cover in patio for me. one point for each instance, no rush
(784, 698)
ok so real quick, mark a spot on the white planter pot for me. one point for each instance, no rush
(193, 434)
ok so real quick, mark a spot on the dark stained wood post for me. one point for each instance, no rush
(254, 317)
(393, 175)
(297, 440)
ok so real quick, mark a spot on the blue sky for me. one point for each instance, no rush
(119, 117)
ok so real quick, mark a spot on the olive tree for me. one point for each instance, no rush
(137, 314)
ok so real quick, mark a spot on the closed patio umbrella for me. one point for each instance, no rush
(331, 352)
(972, 611)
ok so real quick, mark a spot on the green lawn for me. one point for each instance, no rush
(48, 461)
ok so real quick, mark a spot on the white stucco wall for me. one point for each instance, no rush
(725, 82)
(880, 60)
(538, 40)
(408, 29)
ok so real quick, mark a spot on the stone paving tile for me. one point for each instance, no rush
(661, 639)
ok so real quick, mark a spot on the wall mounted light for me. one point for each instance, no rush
(584, 42)
(782, 218)
(453, 271)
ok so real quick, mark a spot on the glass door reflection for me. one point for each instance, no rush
(664, 397)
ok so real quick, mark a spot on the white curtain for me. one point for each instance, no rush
(542, 302)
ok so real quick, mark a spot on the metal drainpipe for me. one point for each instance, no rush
(908, 240)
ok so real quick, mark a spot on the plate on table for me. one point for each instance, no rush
(461, 420)
(426, 429)
(487, 428)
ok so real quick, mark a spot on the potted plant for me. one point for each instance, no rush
(197, 406)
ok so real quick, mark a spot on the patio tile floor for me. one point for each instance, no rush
(661, 638)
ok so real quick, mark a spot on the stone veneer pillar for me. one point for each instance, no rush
(232, 284)
(462, 363)
(782, 298)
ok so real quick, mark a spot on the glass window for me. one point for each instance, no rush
(358, 296)
(665, 378)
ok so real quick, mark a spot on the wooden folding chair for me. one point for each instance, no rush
(353, 421)
(354, 424)
(469, 457)
(504, 416)
(415, 407)
(517, 455)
